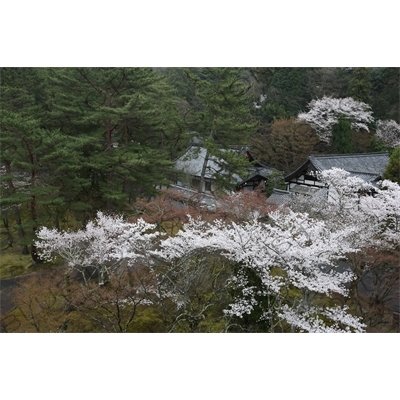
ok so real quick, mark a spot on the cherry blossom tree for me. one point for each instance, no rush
(374, 212)
(349, 200)
(292, 251)
(191, 290)
(373, 209)
(384, 207)
(114, 307)
(388, 132)
(376, 267)
(283, 271)
(326, 112)
(311, 320)
(101, 246)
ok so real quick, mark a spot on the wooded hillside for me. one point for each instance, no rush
(85, 153)
(78, 140)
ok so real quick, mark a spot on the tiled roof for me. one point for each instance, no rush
(304, 189)
(192, 161)
(283, 197)
(264, 172)
(280, 197)
(203, 198)
(321, 193)
(368, 166)
(367, 163)
(366, 177)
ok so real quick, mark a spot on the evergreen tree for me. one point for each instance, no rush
(392, 171)
(128, 123)
(288, 89)
(342, 136)
(275, 180)
(331, 82)
(285, 91)
(385, 99)
(225, 118)
(79, 140)
(182, 86)
(29, 155)
(360, 85)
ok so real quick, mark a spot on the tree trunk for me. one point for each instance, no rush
(21, 232)
(10, 237)
(203, 173)
(109, 131)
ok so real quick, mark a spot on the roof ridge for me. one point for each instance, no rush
(274, 190)
(349, 154)
(363, 173)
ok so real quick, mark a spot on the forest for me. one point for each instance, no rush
(94, 239)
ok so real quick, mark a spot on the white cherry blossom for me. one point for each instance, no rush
(326, 112)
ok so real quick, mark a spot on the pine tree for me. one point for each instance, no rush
(385, 93)
(341, 136)
(74, 141)
(275, 180)
(392, 171)
(285, 92)
(127, 121)
(225, 119)
(27, 152)
(360, 85)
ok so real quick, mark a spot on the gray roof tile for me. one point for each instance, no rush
(192, 161)
(367, 163)
(368, 166)
(280, 197)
